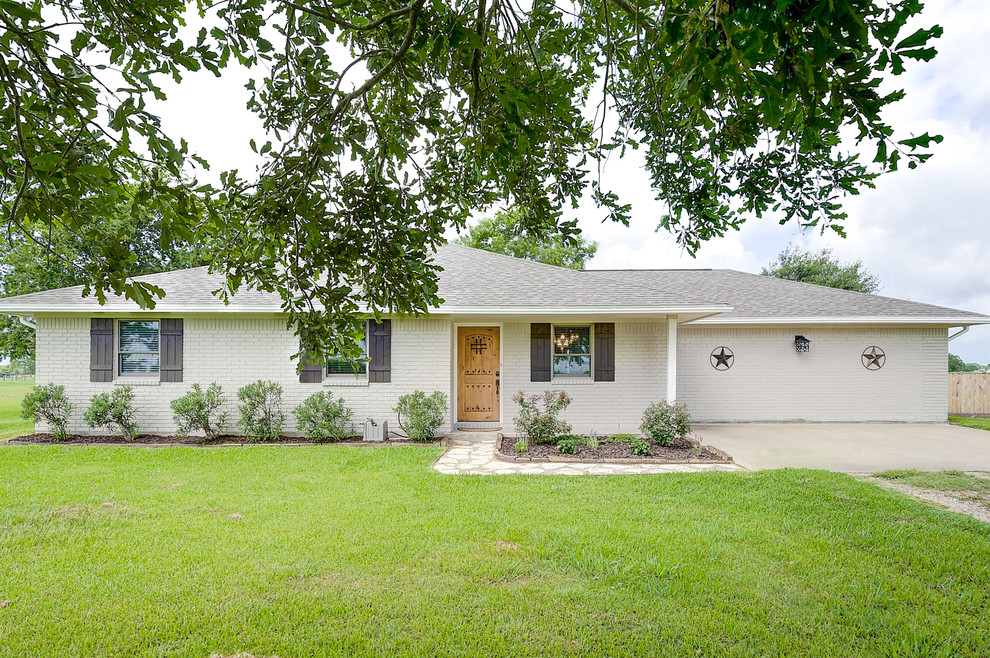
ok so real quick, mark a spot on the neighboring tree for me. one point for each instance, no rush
(819, 267)
(50, 256)
(393, 120)
(505, 233)
(956, 364)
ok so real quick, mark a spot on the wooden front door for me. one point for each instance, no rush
(477, 374)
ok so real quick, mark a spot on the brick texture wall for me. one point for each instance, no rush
(234, 351)
(770, 381)
(602, 407)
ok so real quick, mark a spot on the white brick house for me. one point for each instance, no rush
(725, 343)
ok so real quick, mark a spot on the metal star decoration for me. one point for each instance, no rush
(873, 358)
(722, 358)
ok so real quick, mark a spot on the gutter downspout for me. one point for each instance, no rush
(958, 334)
(27, 323)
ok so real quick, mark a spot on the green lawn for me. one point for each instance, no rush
(11, 393)
(297, 551)
(978, 423)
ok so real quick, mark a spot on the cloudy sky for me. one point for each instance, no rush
(925, 233)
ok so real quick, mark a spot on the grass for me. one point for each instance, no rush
(939, 481)
(294, 551)
(11, 424)
(978, 423)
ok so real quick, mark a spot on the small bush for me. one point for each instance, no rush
(49, 404)
(620, 438)
(592, 442)
(197, 410)
(568, 444)
(114, 411)
(640, 447)
(664, 423)
(261, 410)
(522, 445)
(322, 418)
(537, 418)
(423, 414)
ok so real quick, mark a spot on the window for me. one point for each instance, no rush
(339, 365)
(572, 351)
(138, 347)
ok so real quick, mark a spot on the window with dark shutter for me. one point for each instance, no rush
(604, 351)
(171, 350)
(101, 350)
(380, 351)
(539, 352)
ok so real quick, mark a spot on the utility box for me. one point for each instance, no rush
(375, 431)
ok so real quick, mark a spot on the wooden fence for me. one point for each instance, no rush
(969, 394)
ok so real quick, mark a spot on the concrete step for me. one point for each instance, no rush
(471, 437)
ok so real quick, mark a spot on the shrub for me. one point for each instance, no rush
(261, 410)
(664, 422)
(640, 447)
(322, 418)
(49, 404)
(423, 414)
(620, 438)
(522, 445)
(592, 442)
(197, 410)
(537, 418)
(114, 411)
(568, 444)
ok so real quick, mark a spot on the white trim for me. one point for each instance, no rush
(671, 394)
(454, 422)
(951, 321)
(27, 323)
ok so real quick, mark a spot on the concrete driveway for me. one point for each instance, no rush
(852, 448)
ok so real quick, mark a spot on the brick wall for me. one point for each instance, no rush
(770, 381)
(234, 351)
(602, 407)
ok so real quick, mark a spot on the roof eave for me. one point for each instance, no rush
(948, 320)
(441, 310)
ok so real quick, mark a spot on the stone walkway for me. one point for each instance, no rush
(476, 456)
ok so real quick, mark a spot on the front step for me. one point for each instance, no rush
(471, 437)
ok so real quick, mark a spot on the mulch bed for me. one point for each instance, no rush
(157, 439)
(680, 451)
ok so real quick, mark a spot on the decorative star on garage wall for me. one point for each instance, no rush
(722, 358)
(873, 358)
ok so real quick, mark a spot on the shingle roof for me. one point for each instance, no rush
(479, 281)
(754, 297)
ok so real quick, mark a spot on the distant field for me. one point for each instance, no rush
(11, 394)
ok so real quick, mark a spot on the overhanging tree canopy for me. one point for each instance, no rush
(389, 122)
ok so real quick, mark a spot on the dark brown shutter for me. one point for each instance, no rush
(312, 370)
(539, 352)
(101, 350)
(380, 351)
(604, 351)
(170, 367)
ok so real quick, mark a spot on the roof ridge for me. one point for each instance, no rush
(507, 256)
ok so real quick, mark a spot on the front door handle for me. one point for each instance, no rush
(497, 383)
